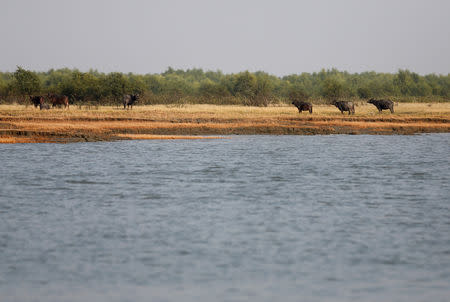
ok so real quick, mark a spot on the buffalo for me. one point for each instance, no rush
(58, 100)
(303, 106)
(44, 106)
(345, 106)
(382, 104)
(129, 100)
(37, 100)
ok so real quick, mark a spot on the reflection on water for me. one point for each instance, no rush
(251, 218)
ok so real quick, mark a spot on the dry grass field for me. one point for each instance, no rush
(21, 124)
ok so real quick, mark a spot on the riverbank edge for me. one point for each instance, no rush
(204, 132)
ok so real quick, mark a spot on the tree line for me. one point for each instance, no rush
(177, 86)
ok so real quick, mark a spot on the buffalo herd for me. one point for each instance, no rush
(57, 100)
(346, 105)
(54, 99)
(129, 100)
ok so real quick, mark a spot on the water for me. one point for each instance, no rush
(249, 218)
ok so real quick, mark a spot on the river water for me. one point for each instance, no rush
(245, 218)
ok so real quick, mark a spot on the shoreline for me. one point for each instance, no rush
(20, 124)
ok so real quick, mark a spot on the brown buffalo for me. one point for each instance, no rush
(37, 100)
(303, 106)
(58, 100)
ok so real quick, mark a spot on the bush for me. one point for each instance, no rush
(364, 92)
(214, 87)
(334, 89)
(297, 93)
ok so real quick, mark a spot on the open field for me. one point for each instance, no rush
(20, 124)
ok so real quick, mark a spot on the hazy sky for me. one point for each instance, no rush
(280, 37)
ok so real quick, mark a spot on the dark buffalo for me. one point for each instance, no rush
(58, 100)
(303, 106)
(382, 104)
(345, 106)
(44, 106)
(129, 100)
(37, 100)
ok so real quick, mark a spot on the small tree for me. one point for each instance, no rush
(264, 89)
(297, 93)
(136, 84)
(333, 88)
(210, 89)
(245, 86)
(3, 88)
(81, 87)
(364, 92)
(115, 85)
(26, 82)
(154, 83)
(410, 83)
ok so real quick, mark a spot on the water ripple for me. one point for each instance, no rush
(252, 218)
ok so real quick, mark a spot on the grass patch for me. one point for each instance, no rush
(27, 124)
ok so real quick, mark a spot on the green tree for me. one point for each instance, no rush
(210, 89)
(136, 84)
(3, 88)
(364, 92)
(410, 83)
(264, 85)
(81, 87)
(153, 83)
(245, 85)
(297, 93)
(26, 82)
(176, 85)
(332, 88)
(115, 85)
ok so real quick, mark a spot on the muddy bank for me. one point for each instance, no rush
(149, 130)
